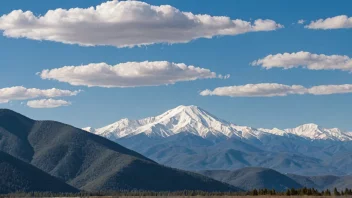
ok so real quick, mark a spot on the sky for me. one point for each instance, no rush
(129, 62)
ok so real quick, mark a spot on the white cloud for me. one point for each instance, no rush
(336, 22)
(301, 21)
(255, 90)
(306, 60)
(130, 74)
(22, 93)
(47, 103)
(227, 76)
(124, 24)
(330, 89)
(274, 89)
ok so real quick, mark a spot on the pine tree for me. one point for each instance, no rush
(255, 192)
(273, 192)
(346, 191)
(309, 191)
(336, 192)
(288, 192)
(327, 192)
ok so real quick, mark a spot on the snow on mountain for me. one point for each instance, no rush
(120, 128)
(197, 121)
(89, 129)
(190, 119)
(313, 131)
(274, 131)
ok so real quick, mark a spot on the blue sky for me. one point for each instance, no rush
(21, 59)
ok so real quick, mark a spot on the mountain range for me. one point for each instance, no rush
(194, 120)
(55, 157)
(190, 138)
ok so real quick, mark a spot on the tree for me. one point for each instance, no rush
(294, 191)
(346, 191)
(255, 192)
(288, 192)
(327, 192)
(336, 192)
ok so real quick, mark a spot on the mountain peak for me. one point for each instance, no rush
(309, 125)
(193, 119)
(314, 131)
(190, 113)
(186, 107)
(189, 108)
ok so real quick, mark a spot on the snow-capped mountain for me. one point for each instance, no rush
(314, 132)
(190, 138)
(197, 121)
(189, 119)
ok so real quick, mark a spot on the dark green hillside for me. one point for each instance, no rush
(90, 162)
(14, 130)
(16, 175)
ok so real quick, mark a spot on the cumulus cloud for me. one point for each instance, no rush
(21, 93)
(130, 74)
(336, 22)
(47, 103)
(330, 89)
(256, 90)
(301, 21)
(124, 24)
(306, 60)
(274, 89)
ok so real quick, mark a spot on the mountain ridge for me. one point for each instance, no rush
(190, 138)
(193, 119)
(90, 162)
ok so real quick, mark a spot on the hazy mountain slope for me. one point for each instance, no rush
(186, 151)
(91, 162)
(324, 182)
(342, 183)
(17, 175)
(231, 157)
(250, 178)
(318, 182)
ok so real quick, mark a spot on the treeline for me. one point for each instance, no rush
(254, 192)
(125, 193)
(301, 192)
